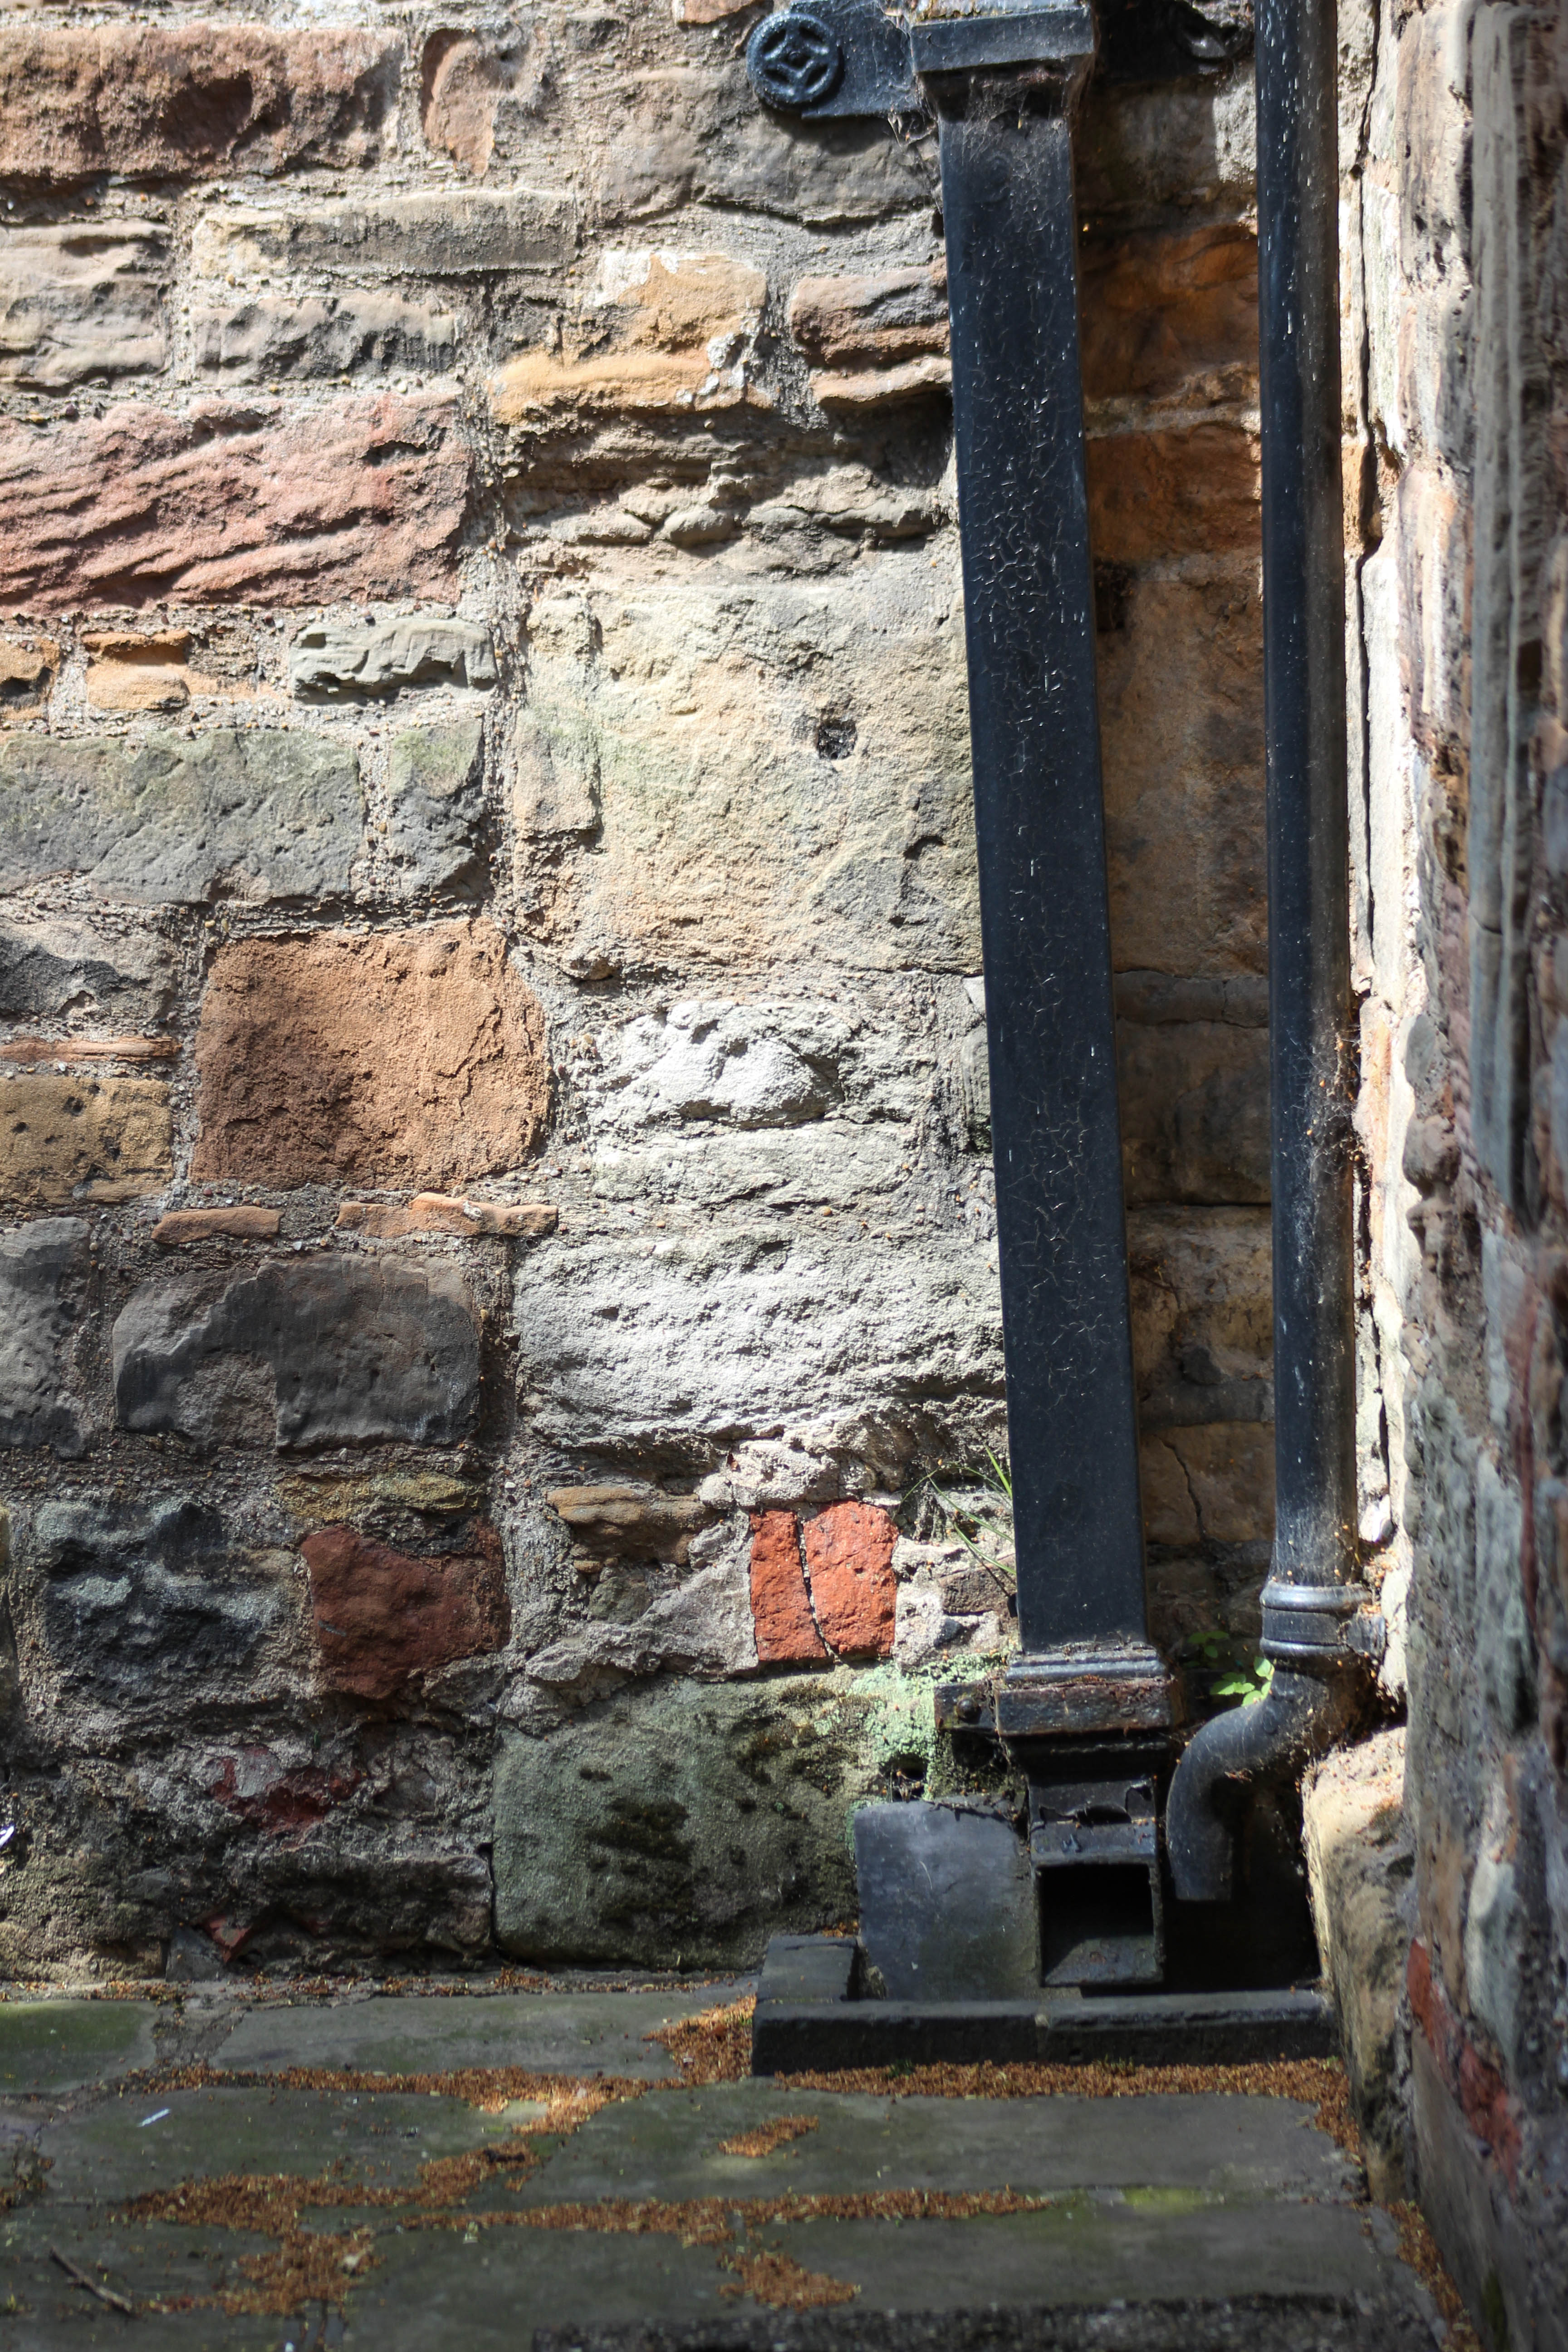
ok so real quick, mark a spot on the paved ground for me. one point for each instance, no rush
(533, 2169)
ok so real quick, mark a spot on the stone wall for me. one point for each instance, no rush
(498, 1216)
(1454, 125)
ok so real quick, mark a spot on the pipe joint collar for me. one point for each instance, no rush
(1319, 1628)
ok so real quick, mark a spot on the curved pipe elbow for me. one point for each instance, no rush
(1301, 1716)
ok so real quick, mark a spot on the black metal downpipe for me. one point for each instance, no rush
(1311, 1596)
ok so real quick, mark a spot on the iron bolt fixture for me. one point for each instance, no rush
(794, 60)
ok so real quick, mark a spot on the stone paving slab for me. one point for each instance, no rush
(571, 2033)
(1199, 2195)
(668, 2145)
(159, 2139)
(57, 2046)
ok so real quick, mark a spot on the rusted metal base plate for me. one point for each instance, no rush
(809, 2020)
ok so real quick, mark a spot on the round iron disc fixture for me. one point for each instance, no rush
(794, 60)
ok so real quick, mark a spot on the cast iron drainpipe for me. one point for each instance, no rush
(1312, 1630)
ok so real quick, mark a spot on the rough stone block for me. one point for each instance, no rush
(80, 301)
(1168, 315)
(643, 1621)
(307, 1351)
(44, 1271)
(1190, 489)
(438, 1213)
(53, 966)
(400, 1057)
(135, 672)
(141, 1602)
(275, 335)
(689, 1825)
(378, 657)
(384, 1616)
(445, 234)
(1361, 1869)
(781, 1610)
(362, 497)
(435, 777)
(686, 1341)
(65, 1139)
(1228, 1470)
(245, 814)
(853, 1594)
(188, 101)
(669, 334)
(691, 716)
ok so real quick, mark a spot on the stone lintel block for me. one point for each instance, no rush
(317, 1351)
(238, 813)
(383, 1616)
(65, 1139)
(631, 1521)
(223, 503)
(33, 1050)
(274, 336)
(439, 1213)
(189, 101)
(386, 1058)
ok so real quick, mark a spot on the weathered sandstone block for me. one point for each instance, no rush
(363, 497)
(781, 1610)
(238, 1223)
(1189, 490)
(323, 1351)
(630, 1522)
(189, 101)
(383, 1616)
(1181, 734)
(67, 1138)
(686, 1342)
(28, 665)
(44, 1270)
(400, 1057)
(82, 300)
(1166, 315)
(445, 234)
(684, 135)
(870, 339)
(365, 657)
(749, 1065)
(1203, 1339)
(1195, 1111)
(688, 1821)
(52, 966)
(854, 1594)
(136, 673)
(1208, 1484)
(322, 334)
(470, 89)
(245, 814)
(740, 817)
(436, 776)
(669, 333)
(141, 1602)
(438, 1213)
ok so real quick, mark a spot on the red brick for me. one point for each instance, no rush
(363, 497)
(190, 101)
(787, 1635)
(849, 1559)
(383, 1616)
